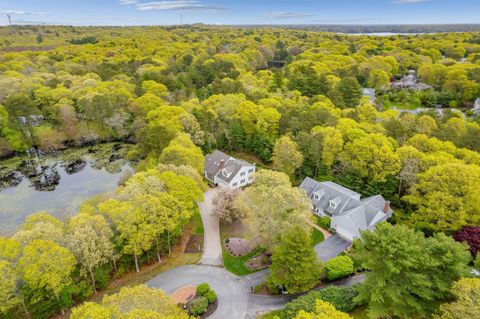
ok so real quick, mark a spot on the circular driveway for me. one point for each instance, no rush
(231, 292)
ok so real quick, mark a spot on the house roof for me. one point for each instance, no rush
(352, 213)
(231, 166)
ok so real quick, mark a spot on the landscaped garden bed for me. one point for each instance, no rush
(203, 303)
(242, 261)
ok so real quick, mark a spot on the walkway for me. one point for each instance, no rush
(212, 249)
(325, 233)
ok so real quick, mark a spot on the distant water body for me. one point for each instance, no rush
(57, 185)
(384, 34)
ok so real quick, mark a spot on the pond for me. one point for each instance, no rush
(58, 183)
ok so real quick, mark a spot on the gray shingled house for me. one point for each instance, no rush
(350, 214)
(225, 171)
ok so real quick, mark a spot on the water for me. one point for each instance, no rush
(57, 184)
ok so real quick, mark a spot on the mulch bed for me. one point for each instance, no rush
(211, 309)
(238, 246)
(184, 294)
(195, 244)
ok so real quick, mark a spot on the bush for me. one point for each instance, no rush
(202, 289)
(340, 297)
(339, 267)
(211, 296)
(324, 222)
(198, 306)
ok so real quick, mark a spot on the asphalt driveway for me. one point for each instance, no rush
(212, 249)
(331, 247)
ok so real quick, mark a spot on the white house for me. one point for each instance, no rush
(225, 171)
(350, 214)
(476, 107)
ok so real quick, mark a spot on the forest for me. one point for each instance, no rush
(292, 100)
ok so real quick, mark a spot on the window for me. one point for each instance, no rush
(250, 170)
(242, 181)
(333, 205)
(315, 196)
(234, 184)
(242, 174)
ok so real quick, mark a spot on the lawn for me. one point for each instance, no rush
(196, 223)
(236, 265)
(317, 236)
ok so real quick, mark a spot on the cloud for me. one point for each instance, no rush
(127, 2)
(408, 1)
(179, 5)
(22, 13)
(288, 15)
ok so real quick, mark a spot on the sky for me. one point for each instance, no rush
(157, 12)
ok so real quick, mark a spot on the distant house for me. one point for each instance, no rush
(225, 171)
(349, 213)
(370, 93)
(410, 81)
(476, 107)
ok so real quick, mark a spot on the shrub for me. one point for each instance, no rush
(202, 289)
(340, 297)
(211, 296)
(198, 306)
(339, 267)
(470, 235)
(323, 222)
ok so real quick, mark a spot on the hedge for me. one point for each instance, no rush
(339, 267)
(340, 297)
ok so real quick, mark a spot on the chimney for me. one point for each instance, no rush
(222, 164)
(386, 208)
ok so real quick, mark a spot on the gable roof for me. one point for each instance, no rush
(231, 166)
(352, 213)
(334, 192)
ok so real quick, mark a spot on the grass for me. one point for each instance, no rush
(196, 223)
(236, 265)
(317, 236)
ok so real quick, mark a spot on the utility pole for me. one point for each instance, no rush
(9, 19)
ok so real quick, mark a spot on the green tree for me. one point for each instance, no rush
(46, 265)
(182, 151)
(467, 295)
(294, 263)
(272, 207)
(404, 276)
(323, 310)
(132, 302)
(286, 156)
(446, 197)
(89, 239)
(349, 92)
(371, 156)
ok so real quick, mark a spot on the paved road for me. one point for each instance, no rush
(331, 247)
(234, 298)
(212, 249)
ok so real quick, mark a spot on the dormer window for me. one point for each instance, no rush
(316, 196)
(333, 205)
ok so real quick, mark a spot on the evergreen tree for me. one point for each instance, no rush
(294, 263)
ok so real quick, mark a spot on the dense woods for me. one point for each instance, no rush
(291, 99)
